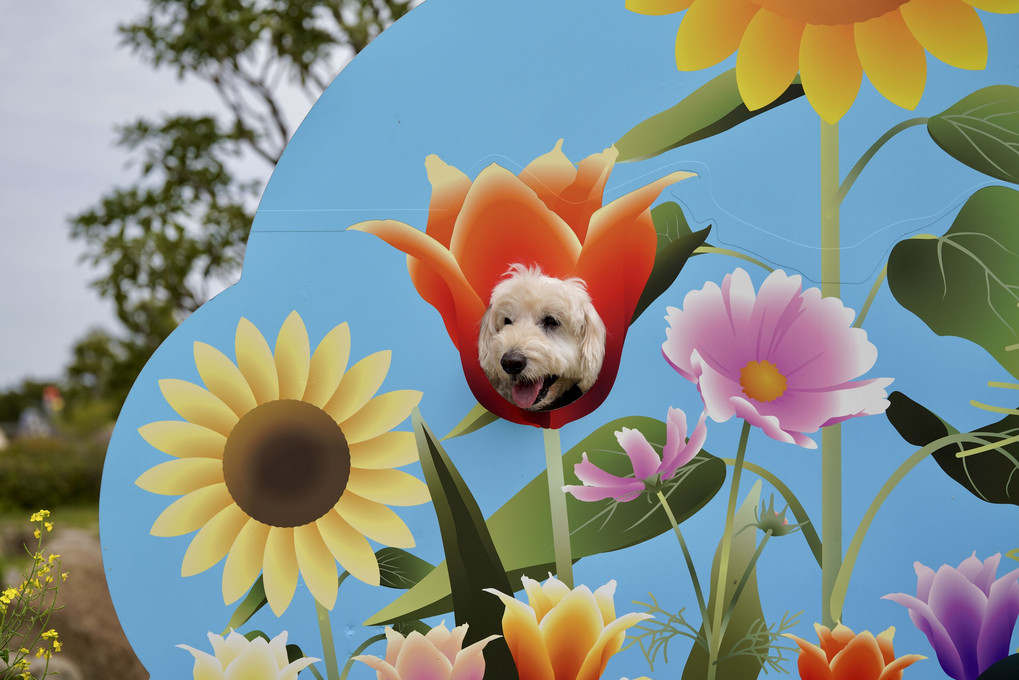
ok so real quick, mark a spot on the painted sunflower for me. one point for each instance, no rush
(830, 43)
(284, 462)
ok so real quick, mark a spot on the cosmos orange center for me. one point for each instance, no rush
(286, 463)
(830, 12)
(762, 381)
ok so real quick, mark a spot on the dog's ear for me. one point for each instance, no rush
(485, 335)
(592, 347)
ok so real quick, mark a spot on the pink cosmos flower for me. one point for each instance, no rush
(599, 484)
(782, 359)
(439, 655)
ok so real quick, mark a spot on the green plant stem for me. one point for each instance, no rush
(874, 148)
(807, 527)
(870, 297)
(831, 436)
(845, 572)
(557, 504)
(364, 645)
(325, 629)
(725, 550)
(690, 566)
(700, 250)
(743, 581)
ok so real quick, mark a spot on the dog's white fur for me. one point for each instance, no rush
(570, 346)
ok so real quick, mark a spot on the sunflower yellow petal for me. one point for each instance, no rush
(183, 440)
(608, 643)
(293, 357)
(197, 405)
(244, 562)
(768, 58)
(213, 541)
(349, 547)
(524, 639)
(328, 364)
(830, 69)
(657, 7)
(191, 512)
(359, 385)
(391, 487)
(710, 31)
(380, 414)
(317, 564)
(182, 476)
(388, 450)
(949, 29)
(892, 59)
(223, 378)
(997, 6)
(254, 359)
(279, 569)
(374, 520)
(604, 597)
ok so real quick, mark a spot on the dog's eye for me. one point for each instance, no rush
(507, 321)
(550, 323)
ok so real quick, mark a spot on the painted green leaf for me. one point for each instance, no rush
(399, 569)
(252, 602)
(471, 556)
(676, 244)
(522, 528)
(982, 131)
(966, 283)
(710, 110)
(1006, 669)
(991, 476)
(736, 662)
(477, 418)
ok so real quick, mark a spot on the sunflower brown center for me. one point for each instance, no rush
(761, 380)
(286, 463)
(831, 12)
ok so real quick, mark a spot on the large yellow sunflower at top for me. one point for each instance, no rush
(830, 43)
(285, 463)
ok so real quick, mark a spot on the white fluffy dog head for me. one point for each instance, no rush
(541, 342)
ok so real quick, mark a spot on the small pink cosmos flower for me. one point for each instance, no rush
(599, 484)
(782, 359)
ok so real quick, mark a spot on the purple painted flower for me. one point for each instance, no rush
(599, 484)
(966, 614)
(784, 359)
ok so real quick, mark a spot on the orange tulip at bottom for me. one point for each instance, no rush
(845, 655)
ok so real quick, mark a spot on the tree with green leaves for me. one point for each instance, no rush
(164, 241)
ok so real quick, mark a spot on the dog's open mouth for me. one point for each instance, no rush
(527, 393)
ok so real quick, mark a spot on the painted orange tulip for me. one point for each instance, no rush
(845, 655)
(563, 634)
(551, 216)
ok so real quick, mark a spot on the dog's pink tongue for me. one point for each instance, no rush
(525, 392)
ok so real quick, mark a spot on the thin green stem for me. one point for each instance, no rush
(364, 645)
(700, 250)
(743, 581)
(806, 526)
(314, 671)
(845, 572)
(870, 297)
(557, 504)
(831, 436)
(690, 566)
(725, 551)
(874, 148)
(325, 629)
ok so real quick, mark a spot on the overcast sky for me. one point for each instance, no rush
(64, 83)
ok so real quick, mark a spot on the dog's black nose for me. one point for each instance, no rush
(513, 362)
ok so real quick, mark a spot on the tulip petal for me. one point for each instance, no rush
(997, 6)
(254, 663)
(860, 659)
(710, 31)
(893, 671)
(549, 175)
(950, 30)
(503, 222)
(524, 639)
(207, 667)
(830, 69)
(937, 635)
(420, 660)
(579, 201)
(657, 7)
(768, 58)
(812, 662)
(570, 631)
(892, 58)
(385, 670)
(537, 598)
(449, 189)
(999, 621)
(608, 643)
